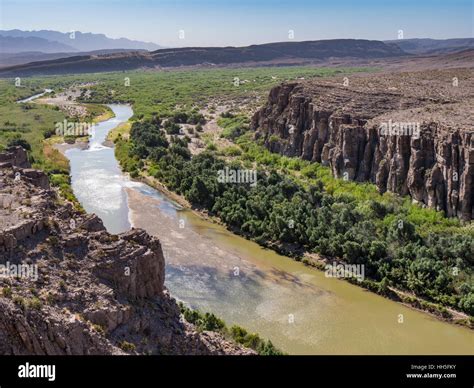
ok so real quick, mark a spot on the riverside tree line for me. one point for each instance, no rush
(286, 215)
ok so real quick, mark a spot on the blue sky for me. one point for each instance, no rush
(232, 22)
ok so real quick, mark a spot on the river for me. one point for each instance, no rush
(35, 96)
(211, 269)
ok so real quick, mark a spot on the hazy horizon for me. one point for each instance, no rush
(229, 45)
(230, 23)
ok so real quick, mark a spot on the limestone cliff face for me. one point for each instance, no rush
(81, 289)
(345, 128)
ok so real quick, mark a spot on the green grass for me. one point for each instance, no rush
(151, 93)
(163, 93)
(35, 123)
(233, 126)
(28, 121)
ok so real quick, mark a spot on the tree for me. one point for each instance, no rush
(467, 303)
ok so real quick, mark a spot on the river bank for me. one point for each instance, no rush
(447, 314)
(203, 260)
(317, 262)
(211, 269)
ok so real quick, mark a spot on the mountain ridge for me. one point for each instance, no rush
(433, 46)
(10, 45)
(273, 53)
(81, 41)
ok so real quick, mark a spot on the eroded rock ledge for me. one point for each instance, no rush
(338, 123)
(94, 293)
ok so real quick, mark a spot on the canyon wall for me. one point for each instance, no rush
(68, 287)
(350, 125)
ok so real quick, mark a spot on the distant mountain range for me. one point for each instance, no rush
(9, 44)
(11, 59)
(48, 41)
(271, 53)
(433, 46)
(52, 52)
(15, 41)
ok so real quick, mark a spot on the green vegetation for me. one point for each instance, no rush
(7, 292)
(172, 94)
(35, 303)
(296, 206)
(167, 93)
(127, 346)
(32, 126)
(209, 322)
(28, 303)
(307, 173)
(234, 125)
(28, 123)
(292, 211)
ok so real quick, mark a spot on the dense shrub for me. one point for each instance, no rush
(278, 210)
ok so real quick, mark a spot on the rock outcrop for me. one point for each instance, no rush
(14, 156)
(409, 133)
(67, 286)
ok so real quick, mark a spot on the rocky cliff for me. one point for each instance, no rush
(410, 133)
(67, 286)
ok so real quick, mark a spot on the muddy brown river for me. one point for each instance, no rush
(211, 269)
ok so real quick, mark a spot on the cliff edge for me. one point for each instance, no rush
(410, 133)
(67, 286)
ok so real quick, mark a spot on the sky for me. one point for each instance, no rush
(242, 22)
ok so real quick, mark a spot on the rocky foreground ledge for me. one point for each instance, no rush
(67, 286)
